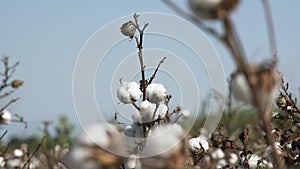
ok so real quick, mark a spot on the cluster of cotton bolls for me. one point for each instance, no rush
(17, 159)
(23, 158)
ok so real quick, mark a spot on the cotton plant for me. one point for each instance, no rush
(151, 130)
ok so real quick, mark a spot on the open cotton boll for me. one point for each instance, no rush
(156, 93)
(165, 148)
(5, 117)
(95, 148)
(133, 162)
(253, 161)
(18, 153)
(136, 117)
(240, 88)
(217, 154)
(195, 144)
(164, 140)
(128, 92)
(148, 109)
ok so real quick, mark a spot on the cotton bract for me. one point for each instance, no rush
(129, 92)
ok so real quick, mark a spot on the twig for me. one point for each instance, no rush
(265, 116)
(8, 72)
(232, 41)
(33, 153)
(271, 31)
(3, 135)
(153, 75)
(9, 103)
(7, 94)
(139, 43)
(136, 106)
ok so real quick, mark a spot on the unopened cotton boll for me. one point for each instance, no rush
(156, 93)
(129, 92)
(5, 117)
(128, 29)
(240, 88)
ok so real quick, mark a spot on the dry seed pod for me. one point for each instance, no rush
(264, 78)
(17, 83)
(212, 9)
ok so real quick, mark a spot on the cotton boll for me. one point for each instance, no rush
(221, 163)
(5, 117)
(95, 134)
(18, 153)
(240, 88)
(148, 109)
(253, 161)
(133, 162)
(162, 110)
(136, 117)
(77, 158)
(165, 148)
(185, 113)
(134, 91)
(164, 140)
(129, 92)
(198, 143)
(217, 154)
(211, 9)
(156, 93)
(204, 8)
(94, 148)
(2, 161)
(128, 29)
(233, 159)
(194, 144)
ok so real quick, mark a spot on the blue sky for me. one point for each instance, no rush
(46, 37)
